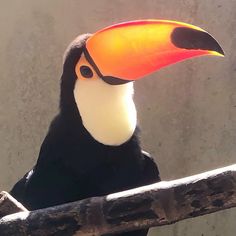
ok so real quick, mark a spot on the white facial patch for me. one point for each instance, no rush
(108, 112)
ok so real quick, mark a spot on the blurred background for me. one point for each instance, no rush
(187, 112)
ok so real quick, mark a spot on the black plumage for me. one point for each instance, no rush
(72, 165)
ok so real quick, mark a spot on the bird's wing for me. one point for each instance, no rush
(150, 171)
(18, 190)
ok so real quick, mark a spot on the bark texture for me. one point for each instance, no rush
(9, 205)
(153, 205)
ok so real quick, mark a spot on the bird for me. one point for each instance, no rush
(92, 147)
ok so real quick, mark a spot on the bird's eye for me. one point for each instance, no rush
(86, 72)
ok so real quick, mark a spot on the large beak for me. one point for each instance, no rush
(131, 50)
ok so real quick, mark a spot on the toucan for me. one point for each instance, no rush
(92, 147)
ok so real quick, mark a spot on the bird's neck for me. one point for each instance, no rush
(108, 112)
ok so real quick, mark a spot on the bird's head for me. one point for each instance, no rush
(100, 70)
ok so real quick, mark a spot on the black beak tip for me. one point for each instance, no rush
(187, 38)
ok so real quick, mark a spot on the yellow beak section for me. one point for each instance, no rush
(131, 50)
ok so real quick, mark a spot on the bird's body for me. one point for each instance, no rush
(92, 147)
(72, 164)
(67, 170)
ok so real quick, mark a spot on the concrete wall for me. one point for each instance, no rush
(187, 112)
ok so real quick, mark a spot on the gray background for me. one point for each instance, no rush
(187, 112)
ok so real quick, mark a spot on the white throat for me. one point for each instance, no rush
(108, 112)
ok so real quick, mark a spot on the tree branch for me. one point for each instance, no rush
(153, 205)
(9, 205)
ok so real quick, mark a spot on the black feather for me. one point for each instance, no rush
(72, 165)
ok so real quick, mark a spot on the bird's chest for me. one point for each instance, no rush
(99, 176)
(108, 112)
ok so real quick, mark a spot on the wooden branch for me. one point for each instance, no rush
(9, 205)
(153, 205)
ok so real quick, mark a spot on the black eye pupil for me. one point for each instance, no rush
(86, 72)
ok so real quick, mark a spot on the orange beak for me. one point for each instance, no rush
(131, 50)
